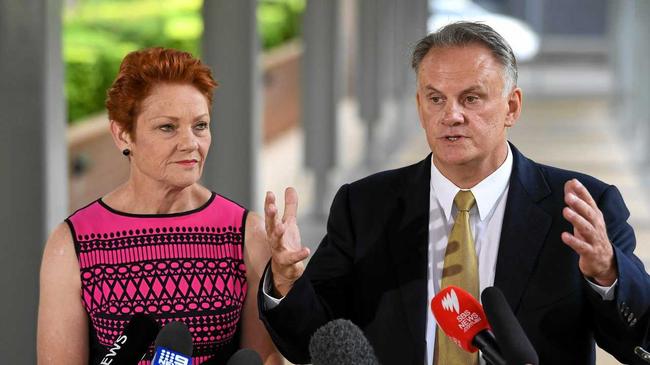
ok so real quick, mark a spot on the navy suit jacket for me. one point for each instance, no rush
(371, 268)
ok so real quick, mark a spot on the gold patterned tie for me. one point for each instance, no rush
(460, 269)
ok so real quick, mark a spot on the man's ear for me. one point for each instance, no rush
(121, 137)
(419, 106)
(514, 107)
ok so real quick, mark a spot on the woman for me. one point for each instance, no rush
(161, 243)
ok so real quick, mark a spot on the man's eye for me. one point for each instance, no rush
(436, 99)
(471, 99)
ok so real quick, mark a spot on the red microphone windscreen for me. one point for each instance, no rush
(459, 315)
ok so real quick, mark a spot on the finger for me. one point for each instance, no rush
(288, 258)
(298, 256)
(576, 187)
(274, 237)
(290, 204)
(582, 208)
(580, 224)
(279, 229)
(270, 212)
(579, 246)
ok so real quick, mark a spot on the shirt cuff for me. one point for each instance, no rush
(269, 301)
(605, 292)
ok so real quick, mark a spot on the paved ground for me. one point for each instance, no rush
(567, 122)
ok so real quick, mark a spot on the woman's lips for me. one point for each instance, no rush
(187, 162)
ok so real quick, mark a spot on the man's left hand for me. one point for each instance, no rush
(589, 238)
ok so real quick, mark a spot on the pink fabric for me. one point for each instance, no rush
(186, 267)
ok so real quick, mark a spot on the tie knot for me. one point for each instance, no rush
(464, 200)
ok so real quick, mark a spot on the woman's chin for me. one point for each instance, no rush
(183, 182)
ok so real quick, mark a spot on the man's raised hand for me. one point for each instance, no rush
(589, 237)
(283, 237)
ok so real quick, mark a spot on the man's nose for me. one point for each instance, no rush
(453, 114)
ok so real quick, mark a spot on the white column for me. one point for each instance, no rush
(33, 187)
(321, 73)
(231, 49)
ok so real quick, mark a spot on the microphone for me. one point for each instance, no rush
(173, 345)
(131, 346)
(461, 318)
(245, 357)
(341, 342)
(514, 343)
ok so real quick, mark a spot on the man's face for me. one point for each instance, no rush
(464, 111)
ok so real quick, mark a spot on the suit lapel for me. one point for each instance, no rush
(524, 230)
(409, 249)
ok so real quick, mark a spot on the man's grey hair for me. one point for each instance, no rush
(461, 34)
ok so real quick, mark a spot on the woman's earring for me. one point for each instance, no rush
(126, 152)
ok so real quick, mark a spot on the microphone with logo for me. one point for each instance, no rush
(173, 345)
(131, 346)
(340, 342)
(461, 318)
(512, 339)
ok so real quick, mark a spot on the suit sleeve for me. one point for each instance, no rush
(322, 293)
(620, 324)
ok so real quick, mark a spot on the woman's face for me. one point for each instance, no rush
(172, 136)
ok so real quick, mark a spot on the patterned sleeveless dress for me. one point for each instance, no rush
(186, 267)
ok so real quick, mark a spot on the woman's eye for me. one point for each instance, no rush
(166, 127)
(202, 126)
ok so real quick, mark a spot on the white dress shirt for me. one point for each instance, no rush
(485, 219)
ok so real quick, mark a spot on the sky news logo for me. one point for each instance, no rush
(165, 356)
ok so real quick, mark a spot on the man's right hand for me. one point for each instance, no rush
(283, 237)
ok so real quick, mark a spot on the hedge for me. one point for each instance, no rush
(97, 34)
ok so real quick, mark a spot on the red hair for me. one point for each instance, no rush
(141, 70)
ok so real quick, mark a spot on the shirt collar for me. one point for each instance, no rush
(486, 192)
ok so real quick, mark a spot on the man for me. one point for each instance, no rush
(555, 242)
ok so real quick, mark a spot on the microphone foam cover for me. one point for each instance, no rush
(176, 337)
(516, 347)
(459, 315)
(134, 342)
(245, 357)
(341, 342)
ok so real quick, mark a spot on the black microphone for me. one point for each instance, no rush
(131, 346)
(341, 342)
(245, 357)
(514, 344)
(173, 345)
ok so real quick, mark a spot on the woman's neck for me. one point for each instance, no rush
(132, 197)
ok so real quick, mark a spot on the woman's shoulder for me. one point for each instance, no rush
(59, 246)
(225, 202)
(256, 247)
(61, 235)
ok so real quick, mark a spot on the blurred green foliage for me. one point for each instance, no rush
(97, 34)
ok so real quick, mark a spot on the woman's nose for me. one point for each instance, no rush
(187, 140)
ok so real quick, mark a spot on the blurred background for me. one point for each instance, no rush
(313, 94)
